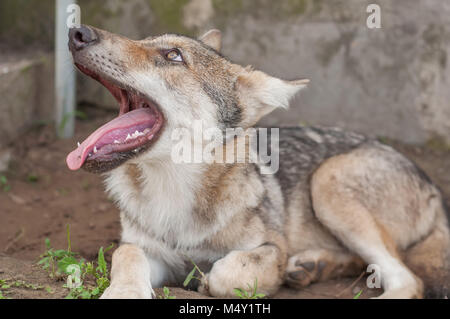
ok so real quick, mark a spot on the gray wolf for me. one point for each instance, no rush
(338, 202)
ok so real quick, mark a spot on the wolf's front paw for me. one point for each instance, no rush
(128, 292)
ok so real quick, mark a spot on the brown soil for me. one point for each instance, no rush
(45, 196)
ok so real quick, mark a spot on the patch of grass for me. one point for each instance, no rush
(85, 280)
(6, 284)
(251, 293)
(49, 290)
(4, 183)
(166, 294)
(23, 284)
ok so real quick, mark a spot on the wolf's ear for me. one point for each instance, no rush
(212, 38)
(260, 93)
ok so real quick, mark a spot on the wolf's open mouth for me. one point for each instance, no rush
(131, 132)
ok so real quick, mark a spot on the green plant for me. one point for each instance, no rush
(23, 284)
(191, 275)
(251, 294)
(88, 272)
(32, 178)
(166, 294)
(4, 183)
(85, 280)
(358, 294)
(6, 284)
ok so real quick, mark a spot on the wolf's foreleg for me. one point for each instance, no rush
(263, 265)
(130, 274)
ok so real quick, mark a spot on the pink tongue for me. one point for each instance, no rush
(126, 123)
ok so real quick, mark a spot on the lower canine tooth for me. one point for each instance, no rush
(95, 149)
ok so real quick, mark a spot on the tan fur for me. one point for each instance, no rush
(130, 274)
(348, 217)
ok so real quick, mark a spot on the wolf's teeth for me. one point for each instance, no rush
(116, 142)
(136, 134)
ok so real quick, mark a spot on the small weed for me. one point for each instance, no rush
(6, 284)
(23, 284)
(4, 183)
(56, 261)
(2, 296)
(85, 280)
(358, 294)
(166, 294)
(31, 178)
(191, 275)
(49, 290)
(253, 294)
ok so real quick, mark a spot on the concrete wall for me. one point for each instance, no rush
(391, 82)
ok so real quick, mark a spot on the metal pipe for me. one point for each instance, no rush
(65, 76)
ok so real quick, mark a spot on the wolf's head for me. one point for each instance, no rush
(166, 82)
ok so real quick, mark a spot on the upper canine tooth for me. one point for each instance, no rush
(95, 149)
(78, 144)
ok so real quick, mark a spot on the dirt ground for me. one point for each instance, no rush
(42, 196)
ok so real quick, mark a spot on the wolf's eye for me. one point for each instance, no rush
(174, 55)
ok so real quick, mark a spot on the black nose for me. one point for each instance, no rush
(81, 37)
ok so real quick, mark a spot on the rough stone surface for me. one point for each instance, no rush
(391, 81)
(384, 82)
(26, 87)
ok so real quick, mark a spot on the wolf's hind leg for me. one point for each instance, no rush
(342, 211)
(309, 266)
